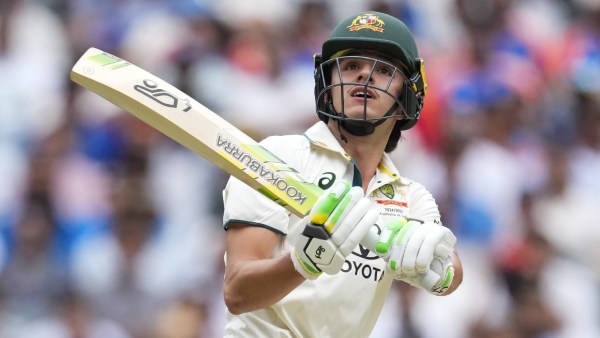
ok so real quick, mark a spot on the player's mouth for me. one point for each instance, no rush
(363, 93)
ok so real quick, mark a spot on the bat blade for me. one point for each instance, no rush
(194, 126)
(191, 124)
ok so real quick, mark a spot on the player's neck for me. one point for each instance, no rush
(366, 151)
(366, 160)
(368, 146)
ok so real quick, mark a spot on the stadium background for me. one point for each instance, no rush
(106, 224)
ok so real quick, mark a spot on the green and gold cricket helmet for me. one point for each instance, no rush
(386, 34)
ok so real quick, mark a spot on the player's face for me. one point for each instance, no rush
(366, 77)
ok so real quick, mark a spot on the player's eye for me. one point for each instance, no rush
(350, 66)
(385, 69)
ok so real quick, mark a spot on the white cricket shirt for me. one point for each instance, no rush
(347, 304)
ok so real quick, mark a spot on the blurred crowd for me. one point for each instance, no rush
(110, 230)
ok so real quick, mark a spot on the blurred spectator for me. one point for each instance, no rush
(104, 24)
(33, 62)
(235, 12)
(257, 72)
(79, 154)
(490, 177)
(108, 270)
(34, 279)
(130, 274)
(72, 319)
(552, 294)
(307, 32)
(585, 156)
(184, 318)
(567, 214)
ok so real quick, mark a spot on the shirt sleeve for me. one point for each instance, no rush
(424, 206)
(242, 204)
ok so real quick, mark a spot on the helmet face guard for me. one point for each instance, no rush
(325, 87)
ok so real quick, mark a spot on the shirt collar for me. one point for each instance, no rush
(386, 166)
(320, 136)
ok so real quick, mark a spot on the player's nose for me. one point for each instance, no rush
(365, 73)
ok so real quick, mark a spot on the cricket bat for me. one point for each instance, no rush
(183, 119)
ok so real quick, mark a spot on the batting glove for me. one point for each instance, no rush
(339, 220)
(418, 253)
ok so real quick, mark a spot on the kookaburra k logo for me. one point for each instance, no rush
(151, 90)
(319, 251)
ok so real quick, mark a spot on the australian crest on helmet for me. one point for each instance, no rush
(367, 21)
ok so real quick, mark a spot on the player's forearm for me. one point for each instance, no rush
(253, 285)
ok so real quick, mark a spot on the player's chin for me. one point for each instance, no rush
(358, 112)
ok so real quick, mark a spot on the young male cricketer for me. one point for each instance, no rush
(370, 85)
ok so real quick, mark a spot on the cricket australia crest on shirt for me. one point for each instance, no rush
(391, 202)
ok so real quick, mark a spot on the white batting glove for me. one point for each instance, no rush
(418, 253)
(339, 220)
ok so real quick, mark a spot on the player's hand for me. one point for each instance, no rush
(418, 253)
(339, 220)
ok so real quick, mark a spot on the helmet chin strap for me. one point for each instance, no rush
(354, 126)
